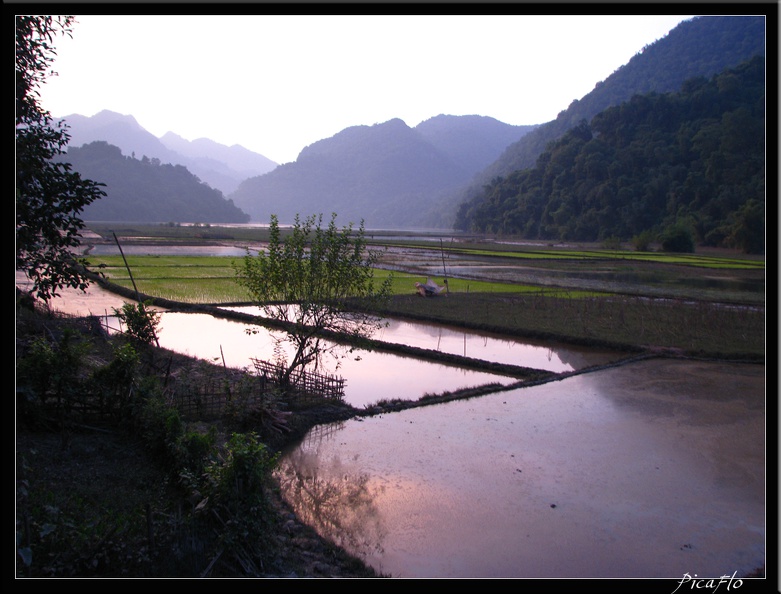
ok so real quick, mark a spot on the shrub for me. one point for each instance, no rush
(238, 478)
(113, 383)
(49, 378)
(678, 238)
(233, 513)
(612, 243)
(195, 449)
(161, 427)
(140, 321)
(642, 241)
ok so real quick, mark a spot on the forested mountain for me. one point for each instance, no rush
(702, 46)
(387, 175)
(696, 157)
(146, 190)
(220, 166)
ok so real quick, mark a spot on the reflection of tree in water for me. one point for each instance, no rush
(338, 505)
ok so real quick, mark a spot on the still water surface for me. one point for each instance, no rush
(372, 376)
(369, 376)
(653, 469)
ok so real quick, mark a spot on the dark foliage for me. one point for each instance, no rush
(694, 157)
(49, 195)
(699, 47)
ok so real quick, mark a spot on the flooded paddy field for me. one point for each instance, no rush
(653, 468)
(647, 470)
(621, 275)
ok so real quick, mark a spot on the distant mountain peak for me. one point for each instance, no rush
(384, 174)
(172, 136)
(220, 166)
(107, 116)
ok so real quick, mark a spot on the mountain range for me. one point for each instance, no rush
(222, 167)
(390, 175)
(386, 175)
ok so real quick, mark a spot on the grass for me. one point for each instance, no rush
(211, 279)
(586, 317)
(404, 283)
(708, 261)
(190, 279)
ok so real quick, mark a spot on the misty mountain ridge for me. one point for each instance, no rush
(147, 190)
(387, 174)
(385, 193)
(393, 176)
(220, 166)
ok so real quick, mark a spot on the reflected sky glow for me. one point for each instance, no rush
(607, 474)
(374, 376)
(481, 345)
(370, 376)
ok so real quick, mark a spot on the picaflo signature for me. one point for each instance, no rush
(712, 584)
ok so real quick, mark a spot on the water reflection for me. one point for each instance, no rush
(370, 376)
(484, 345)
(598, 475)
(654, 469)
(493, 347)
(334, 501)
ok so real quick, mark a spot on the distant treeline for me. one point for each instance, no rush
(694, 158)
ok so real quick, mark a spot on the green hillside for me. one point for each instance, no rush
(693, 160)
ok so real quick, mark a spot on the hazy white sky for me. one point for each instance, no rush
(275, 84)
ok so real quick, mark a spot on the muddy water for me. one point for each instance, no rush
(653, 469)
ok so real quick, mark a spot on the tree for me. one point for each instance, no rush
(49, 195)
(748, 231)
(307, 281)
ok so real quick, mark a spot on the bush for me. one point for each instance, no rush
(50, 378)
(238, 479)
(642, 241)
(233, 512)
(612, 243)
(161, 427)
(113, 383)
(678, 238)
(140, 321)
(195, 449)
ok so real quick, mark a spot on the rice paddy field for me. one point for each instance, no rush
(710, 303)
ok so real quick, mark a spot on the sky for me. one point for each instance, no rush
(276, 84)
